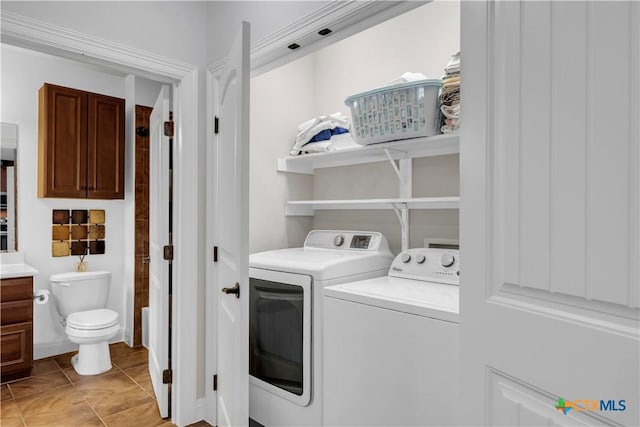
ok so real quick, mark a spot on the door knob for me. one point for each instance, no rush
(146, 259)
(235, 290)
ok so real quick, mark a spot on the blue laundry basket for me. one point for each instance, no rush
(405, 110)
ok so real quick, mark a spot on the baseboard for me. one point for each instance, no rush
(53, 348)
(201, 409)
(63, 345)
(128, 337)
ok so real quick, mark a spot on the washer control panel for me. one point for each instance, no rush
(428, 264)
(347, 240)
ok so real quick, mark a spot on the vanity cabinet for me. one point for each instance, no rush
(16, 328)
(81, 144)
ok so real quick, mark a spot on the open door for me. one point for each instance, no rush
(550, 223)
(159, 268)
(231, 234)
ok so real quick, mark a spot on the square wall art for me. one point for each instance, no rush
(77, 232)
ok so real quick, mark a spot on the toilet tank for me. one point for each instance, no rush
(75, 292)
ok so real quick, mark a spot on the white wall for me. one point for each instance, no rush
(146, 91)
(421, 40)
(176, 29)
(23, 73)
(280, 101)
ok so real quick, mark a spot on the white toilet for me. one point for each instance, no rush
(80, 299)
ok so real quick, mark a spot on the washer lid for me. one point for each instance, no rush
(92, 319)
(427, 299)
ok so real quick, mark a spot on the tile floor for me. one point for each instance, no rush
(55, 395)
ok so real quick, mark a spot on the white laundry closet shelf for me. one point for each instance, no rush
(431, 146)
(308, 207)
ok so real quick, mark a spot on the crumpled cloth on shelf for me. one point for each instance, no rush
(327, 134)
(407, 78)
(450, 98)
(309, 129)
(451, 111)
(450, 125)
(337, 142)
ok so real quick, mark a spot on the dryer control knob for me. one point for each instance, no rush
(420, 259)
(338, 240)
(405, 258)
(447, 260)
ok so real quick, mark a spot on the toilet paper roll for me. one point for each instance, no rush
(41, 297)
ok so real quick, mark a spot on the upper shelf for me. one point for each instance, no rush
(437, 145)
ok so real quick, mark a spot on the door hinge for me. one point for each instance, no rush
(216, 125)
(215, 382)
(215, 254)
(167, 376)
(167, 252)
(168, 129)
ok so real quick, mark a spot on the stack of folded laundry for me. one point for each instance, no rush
(450, 95)
(323, 133)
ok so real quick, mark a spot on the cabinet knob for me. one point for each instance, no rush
(90, 188)
(84, 187)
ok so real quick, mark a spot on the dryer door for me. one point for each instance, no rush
(280, 333)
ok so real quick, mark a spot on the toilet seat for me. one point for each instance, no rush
(92, 320)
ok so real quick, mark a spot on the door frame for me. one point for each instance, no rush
(40, 36)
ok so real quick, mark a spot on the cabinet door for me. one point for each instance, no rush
(62, 147)
(105, 157)
(16, 348)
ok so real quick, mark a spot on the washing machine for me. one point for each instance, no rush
(391, 345)
(285, 319)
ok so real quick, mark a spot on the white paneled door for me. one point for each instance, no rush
(158, 238)
(550, 213)
(231, 234)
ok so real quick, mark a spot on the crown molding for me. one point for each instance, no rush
(26, 32)
(344, 18)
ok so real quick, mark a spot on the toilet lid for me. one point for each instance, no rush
(92, 319)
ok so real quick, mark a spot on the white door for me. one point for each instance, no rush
(550, 213)
(231, 234)
(158, 238)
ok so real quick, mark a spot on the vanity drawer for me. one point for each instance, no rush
(19, 288)
(16, 312)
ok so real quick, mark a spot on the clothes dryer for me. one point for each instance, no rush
(286, 315)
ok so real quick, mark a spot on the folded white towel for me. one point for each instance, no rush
(310, 128)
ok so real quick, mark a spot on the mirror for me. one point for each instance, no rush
(8, 186)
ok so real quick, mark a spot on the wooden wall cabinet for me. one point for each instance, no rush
(16, 328)
(81, 144)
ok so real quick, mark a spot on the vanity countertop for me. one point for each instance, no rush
(8, 271)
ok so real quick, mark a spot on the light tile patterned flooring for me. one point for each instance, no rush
(55, 395)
